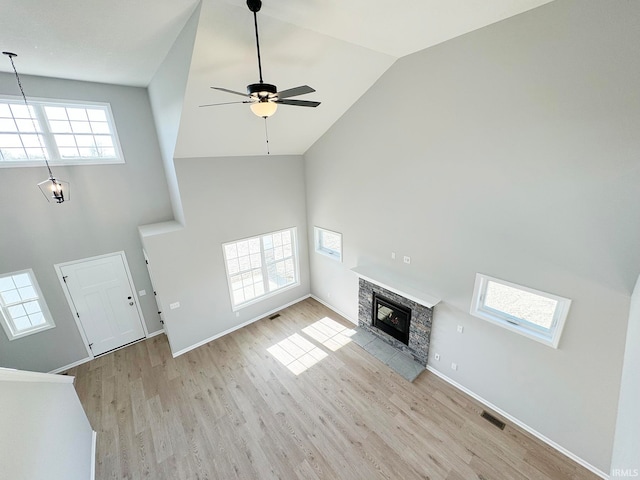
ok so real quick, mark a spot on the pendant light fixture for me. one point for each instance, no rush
(54, 190)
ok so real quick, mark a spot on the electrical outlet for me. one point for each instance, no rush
(237, 314)
(437, 356)
(460, 329)
(174, 305)
(407, 259)
(454, 366)
(393, 255)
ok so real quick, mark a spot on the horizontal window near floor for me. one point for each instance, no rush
(529, 312)
(261, 266)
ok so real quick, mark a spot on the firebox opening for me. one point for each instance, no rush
(391, 318)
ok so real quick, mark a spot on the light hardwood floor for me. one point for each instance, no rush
(231, 410)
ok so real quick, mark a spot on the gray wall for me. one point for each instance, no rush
(626, 447)
(224, 199)
(45, 432)
(511, 151)
(166, 94)
(108, 202)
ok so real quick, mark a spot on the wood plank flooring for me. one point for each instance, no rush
(232, 410)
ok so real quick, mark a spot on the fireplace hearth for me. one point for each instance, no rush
(397, 320)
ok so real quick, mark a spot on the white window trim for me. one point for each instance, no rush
(294, 250)
(317, 231)
(49, 143)
(550, 338)
(5, 318)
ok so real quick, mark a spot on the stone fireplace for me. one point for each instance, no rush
(398, 315)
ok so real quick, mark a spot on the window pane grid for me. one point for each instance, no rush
(21, 307)
(260, 265)
(80, 132)
(20, 134)
(57, 133)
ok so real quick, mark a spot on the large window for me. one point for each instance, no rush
(535, 314)
(63, 133)
(328, 243)
(23, 308)
(261, 266)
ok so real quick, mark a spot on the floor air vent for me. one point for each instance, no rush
(273, 317)
(491, 419)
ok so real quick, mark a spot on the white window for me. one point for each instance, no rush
(328, 243)
(260, 266)
(63, 133)
(23, 308)
(535, 314)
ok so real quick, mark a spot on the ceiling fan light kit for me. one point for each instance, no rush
(263, 98)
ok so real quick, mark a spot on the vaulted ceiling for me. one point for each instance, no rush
(338, 47)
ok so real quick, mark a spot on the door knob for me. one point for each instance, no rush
(128, 298)
(130, 303)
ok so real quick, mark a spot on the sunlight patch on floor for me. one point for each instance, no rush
(297, 353)
(329, 333)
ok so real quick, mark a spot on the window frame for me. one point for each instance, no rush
(264, 266)
(549, 337)
(321, 249)
(49, 144)
(7, 321)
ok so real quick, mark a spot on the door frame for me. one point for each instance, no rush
(72, 307)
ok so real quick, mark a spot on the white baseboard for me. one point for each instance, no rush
(237, 327)
(94, 444)
(334, 309)
(522, 425)
(158, 332)
(71, 365)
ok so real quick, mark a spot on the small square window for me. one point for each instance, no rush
(529, 312)
(328, 243)
(22, 306)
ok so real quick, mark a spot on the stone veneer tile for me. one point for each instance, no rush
(419, 330)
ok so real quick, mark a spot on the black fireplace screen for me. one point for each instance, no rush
(391, 318)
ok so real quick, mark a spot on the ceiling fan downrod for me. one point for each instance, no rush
(255, 6)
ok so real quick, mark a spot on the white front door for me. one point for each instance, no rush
(101, 294)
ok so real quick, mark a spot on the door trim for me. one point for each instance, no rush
(58, 267)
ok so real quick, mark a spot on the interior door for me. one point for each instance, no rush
(102, 295)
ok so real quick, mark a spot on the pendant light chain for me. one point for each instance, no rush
(57, 188)
(26, 104)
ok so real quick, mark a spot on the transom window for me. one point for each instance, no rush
(535, 314)
(23, 308)
(260, 266)
(328, 243)
(63, 133)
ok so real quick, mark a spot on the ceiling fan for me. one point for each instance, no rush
(264, 98)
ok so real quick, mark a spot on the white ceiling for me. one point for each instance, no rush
(339, 47)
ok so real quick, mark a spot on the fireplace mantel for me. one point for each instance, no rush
(394, 283)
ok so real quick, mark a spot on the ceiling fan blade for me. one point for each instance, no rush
(225, 103)
(230, 91)
(294, 92)
(298, 103)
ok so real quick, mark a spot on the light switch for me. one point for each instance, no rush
(174, 305)
(142, 293)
